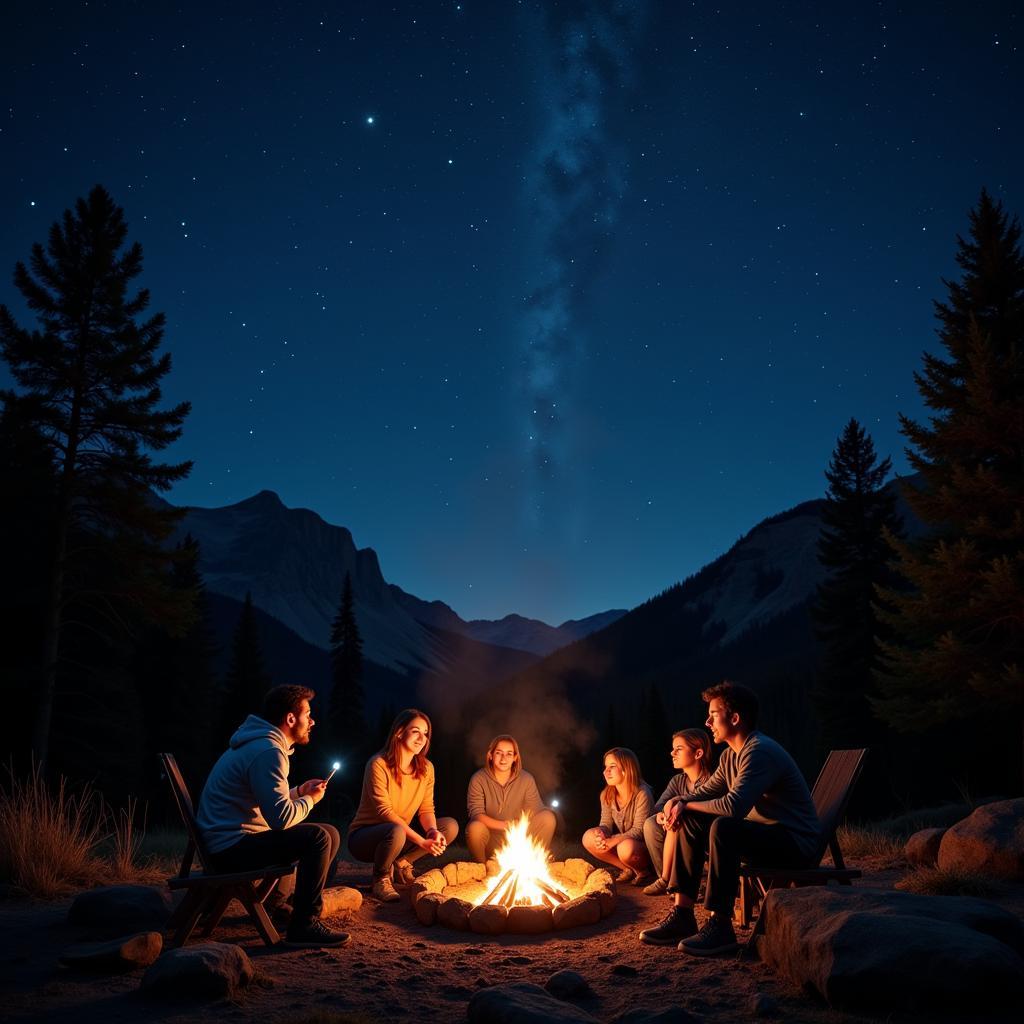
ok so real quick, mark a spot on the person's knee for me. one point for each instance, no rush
(449, 828)
(590, 840)
(543, 824)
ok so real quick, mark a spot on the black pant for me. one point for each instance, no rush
(726, 841)
(313, 844)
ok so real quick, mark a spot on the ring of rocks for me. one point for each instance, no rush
(447, 896)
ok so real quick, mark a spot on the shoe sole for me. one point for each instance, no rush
(658, 942)
(729, 947)
(318, 945)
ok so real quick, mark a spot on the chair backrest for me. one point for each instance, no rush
(831, 794)
(179, 790)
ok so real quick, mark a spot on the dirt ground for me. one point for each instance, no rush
(394, 969)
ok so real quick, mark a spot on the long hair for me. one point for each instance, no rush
(698, 739)
(517, 765)
(630, 768)
(390, 751)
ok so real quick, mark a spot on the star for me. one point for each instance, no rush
(370, 119)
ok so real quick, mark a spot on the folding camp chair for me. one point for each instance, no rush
(831, 795)
(208, 894)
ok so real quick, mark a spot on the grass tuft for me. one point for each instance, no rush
(868, 843)
(933, 881)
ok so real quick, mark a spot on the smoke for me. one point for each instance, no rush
(576, 188)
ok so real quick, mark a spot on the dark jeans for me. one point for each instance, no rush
(314, 845)
(726, 841)
(383, 844)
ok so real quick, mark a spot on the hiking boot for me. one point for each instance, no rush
(403, 873)
(659, 887)
(384, 890)
(715, 937)
(678, 924)
(315, 935)
(625, 875)
(640, 879)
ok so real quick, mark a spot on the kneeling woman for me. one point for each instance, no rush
(498, 795)
(398, 784)
(625, 805)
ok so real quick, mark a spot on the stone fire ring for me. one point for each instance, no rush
(445, 896)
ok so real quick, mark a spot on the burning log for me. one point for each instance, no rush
(492, 895)
(509, 900)
(549, 890)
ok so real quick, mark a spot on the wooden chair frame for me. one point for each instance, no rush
(208, 894)
(831, 795)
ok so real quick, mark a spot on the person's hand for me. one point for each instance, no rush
(672, 814)
(600, 840)
(314, 788)
(660, 818)
(434, 842)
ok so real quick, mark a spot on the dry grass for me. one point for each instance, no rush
(53, 842)
(868, 843)
(929, 881)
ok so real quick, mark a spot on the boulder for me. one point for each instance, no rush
(433, 880)
(584, 910)
(523, 1003)
(454, 913)
(601, 882)
(209, 970)
(340, 899)
(990, 841)
(922, 848)
(489, 920)
(568, 985)
(451, 874)
(886, 951)
(470, 871)
(529, 920)
(116, 955)
(576, 870)
(425, 906)
(122, 908)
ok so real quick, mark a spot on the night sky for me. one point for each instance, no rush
(546, 303)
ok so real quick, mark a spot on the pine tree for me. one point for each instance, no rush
(247, 679)
(347, 720)
(90, 376)
(961, 632)
(852, 546)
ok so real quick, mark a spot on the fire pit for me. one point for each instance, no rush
(526, 893)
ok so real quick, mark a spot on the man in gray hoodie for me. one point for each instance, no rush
(250, 818)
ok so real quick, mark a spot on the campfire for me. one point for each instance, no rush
(523, 879)
(525, 892)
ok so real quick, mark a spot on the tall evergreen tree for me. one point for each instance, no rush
(347, 718)
(852, 546)
(961, 632)
(90, 375)
(247, 679)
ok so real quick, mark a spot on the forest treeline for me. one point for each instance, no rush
(911, 645)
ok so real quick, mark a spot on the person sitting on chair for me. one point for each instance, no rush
(250, 819)
(498, 795)
(755, 807)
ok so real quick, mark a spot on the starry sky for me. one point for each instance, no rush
(548, 303)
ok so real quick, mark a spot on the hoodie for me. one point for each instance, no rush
(247, 791)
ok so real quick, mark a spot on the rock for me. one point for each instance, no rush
(125, 954)
(670, 1015)
(763, 1005)
(529, 920)
(122, 908)
(454, 913)
(576, 870)
(470, 871)
(990, 841)
(625, 971)
(433, 880)
(890, 951)
(583, 910)
(601, 883)
(210, 970)
(523, 1003)
(490, 920)
(425, 906)
(451, 874)
(340, 899)
(568, 985)
(922, 848)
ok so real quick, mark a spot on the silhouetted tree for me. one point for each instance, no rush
(960, 630)
(90, 378)
(247, 679)
(853, 548)
(347, 721)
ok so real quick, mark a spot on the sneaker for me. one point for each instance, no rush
(659, 887)
(641, 878)
(384, 890)
(403, 873)
(625, 875)
(677, 924)
(716, 936)
(315, 935)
